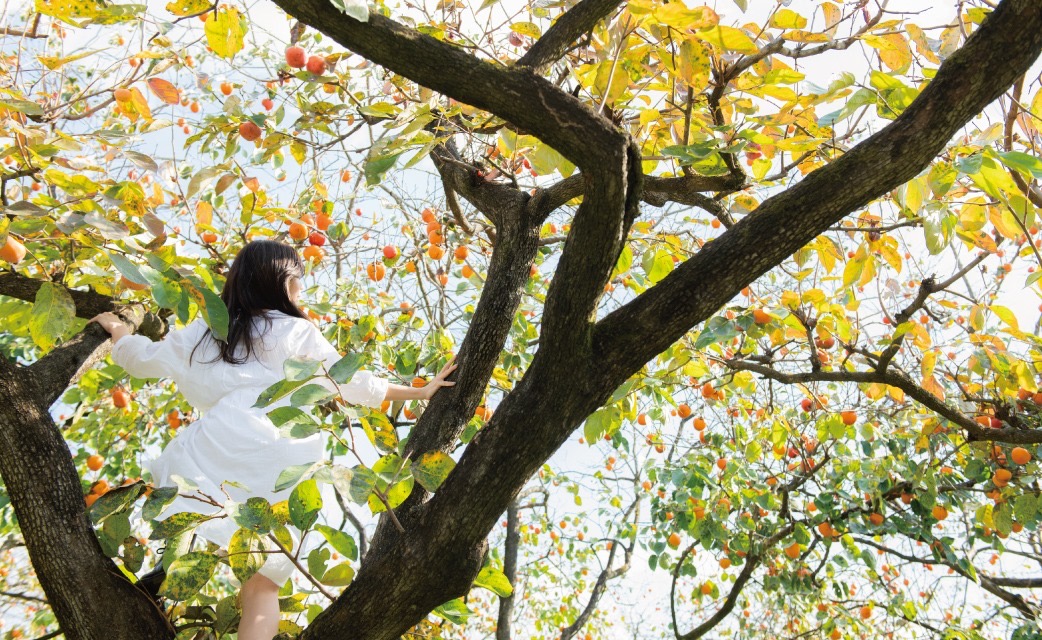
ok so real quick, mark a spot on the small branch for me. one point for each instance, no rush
(297, 564)
(565, 30)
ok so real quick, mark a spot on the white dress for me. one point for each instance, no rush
(233, 441)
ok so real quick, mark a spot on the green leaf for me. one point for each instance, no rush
(215, 313)
(455, 611)
(1025, 508)
(304, 504)
(431, 469)
(1024, 162)
(158, 501)
(310, 394)
(395, 496)
(127, 269)
(244, 553)
(375, 168)
(225, 31)
(380, 432)
(357, 9)
(113, 532)
(255, 514)
(188, 574)
(938, 225)
(345, 368)
(281, 416)
(292, 474)
(339, 576)
(363, 479)
(23, 106)
(317, 562)
(657, 265)
(495, 581)
(601, 422)
(729, 39)
(276, 392)
(339, 540)
(53, 315)
(300, 368)
(1003, 517)
(175, 524)
(116, 500)
(187, 7)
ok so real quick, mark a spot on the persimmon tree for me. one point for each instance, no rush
(787, 309)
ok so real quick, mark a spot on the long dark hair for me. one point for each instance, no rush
(256, 283)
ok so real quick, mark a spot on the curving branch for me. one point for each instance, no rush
(609, 573)
(901, 381)
(558, 38)
(1028, 610)
(88, 303)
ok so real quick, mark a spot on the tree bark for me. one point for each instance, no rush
(90, 597)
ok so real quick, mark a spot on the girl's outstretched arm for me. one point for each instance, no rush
(401, 392)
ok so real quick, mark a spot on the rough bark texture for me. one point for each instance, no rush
(90, 597)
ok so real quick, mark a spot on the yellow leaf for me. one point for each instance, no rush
(799, 35)
(832, 17)
(611, 80)
(1004, 222)
(921, 45)
(729, 39)
(187, 7)
(225, 32)
(54, 62)
(788, 19)
(934, 387)
(165, 91)
(928, 364)
(526, 29)
(67, 10)
(140, 103)
(299, 152)
(949, 41)
(693, 63)
(1006, 316)
(678, 16)
(204, 213)
(893, 50)
(897, 394)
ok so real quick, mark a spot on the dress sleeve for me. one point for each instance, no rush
(364, 388)
(143, 358)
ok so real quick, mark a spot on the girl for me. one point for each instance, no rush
(222, 378)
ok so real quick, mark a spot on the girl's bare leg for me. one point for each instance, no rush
(260, 609)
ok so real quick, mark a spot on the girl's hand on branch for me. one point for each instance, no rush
(439, 381)
(112, 323)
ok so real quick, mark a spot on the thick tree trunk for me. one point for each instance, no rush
(90, 597)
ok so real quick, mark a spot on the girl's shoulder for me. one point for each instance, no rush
(285, 326)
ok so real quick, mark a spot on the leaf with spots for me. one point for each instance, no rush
(188, 575)
(432, 468)
(245, 553)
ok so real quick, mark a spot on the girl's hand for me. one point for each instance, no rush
(439, 381)
(110, 322)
